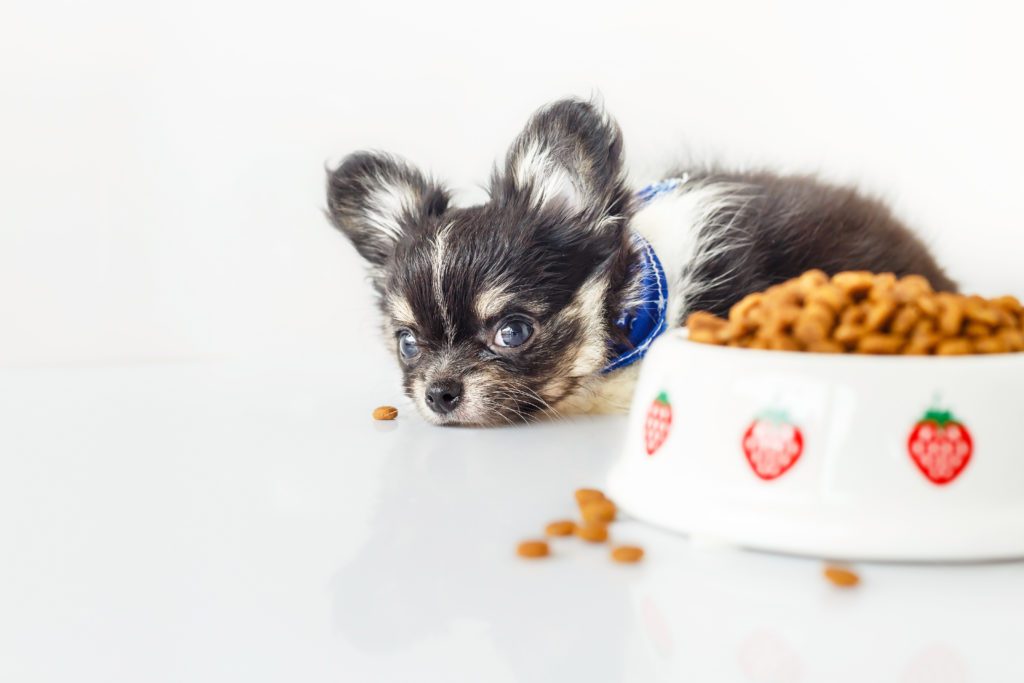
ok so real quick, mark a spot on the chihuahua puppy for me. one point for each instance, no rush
(542, 300)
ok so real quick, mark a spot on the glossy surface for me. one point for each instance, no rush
(829, 455)
(249, 521)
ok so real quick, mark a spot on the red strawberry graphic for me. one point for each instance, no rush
(772, 444)
(657, 424)
(940, 446)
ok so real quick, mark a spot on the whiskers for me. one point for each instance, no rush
(516, 403)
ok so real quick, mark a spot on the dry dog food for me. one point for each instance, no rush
(597, 513)
(592, 532)
(532, 549)
(627, 553)
(385, 413)
(601, 511)
(561, 528)
(861, 312)
(584, 496)
(840, 576)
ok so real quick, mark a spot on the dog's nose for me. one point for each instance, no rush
(443, 396)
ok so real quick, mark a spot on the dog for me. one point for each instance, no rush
(541, 301)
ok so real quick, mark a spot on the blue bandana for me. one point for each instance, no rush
(644, 323)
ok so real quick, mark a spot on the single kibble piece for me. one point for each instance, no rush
(598, 511)
(561, 528)
(954, 347)
(385, 413)
(627, 553)
(880, 343)
(840, 576)
(532, 549)
(592, 532)
(584, 496)
(702, 320)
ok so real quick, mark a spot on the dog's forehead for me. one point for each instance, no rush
(440, 271)
(474, 265)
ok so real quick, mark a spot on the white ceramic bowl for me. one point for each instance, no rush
(840, 456)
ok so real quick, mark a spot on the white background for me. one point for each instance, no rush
(191, 488)
(162, 173)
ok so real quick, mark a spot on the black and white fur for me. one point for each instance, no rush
(552, 248)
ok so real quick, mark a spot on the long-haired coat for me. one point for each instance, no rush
(515, 308)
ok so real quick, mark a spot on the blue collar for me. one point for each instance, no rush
(645, 322)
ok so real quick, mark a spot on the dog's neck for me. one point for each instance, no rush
(662, 238)
(644, 321)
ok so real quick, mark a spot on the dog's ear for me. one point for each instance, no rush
(375, 199)
(569, 157)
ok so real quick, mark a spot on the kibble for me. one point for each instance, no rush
(597, 512)
(840, 576)
(592, 532)
(561, 528)
(584, 496)
(533, 549)
(627, 553)
(385, 413)
(862, 312)
(601, 511)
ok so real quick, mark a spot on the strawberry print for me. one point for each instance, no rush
(657, 424)
(772, 444)
(940, 446)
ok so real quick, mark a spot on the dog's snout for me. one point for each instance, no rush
(444, 395)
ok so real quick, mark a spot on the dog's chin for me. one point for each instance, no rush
(470, 415)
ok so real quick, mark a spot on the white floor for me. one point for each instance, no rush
(248, 521)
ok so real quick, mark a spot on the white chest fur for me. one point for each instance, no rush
(673, 224)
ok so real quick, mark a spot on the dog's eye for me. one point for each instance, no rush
(407, 345)
(513, 333)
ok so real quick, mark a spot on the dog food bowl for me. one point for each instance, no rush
(839, 456)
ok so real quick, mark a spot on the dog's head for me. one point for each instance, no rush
(499, 311)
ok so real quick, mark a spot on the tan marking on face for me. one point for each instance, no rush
(587, 307)
(401, 311)
(478, 406)
(491, 302)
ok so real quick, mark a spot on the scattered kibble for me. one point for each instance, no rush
(840, 576)
(565, 527)
(533, 549)
(592, 532)
(385, 413)
(627, 553)
(584, 496)
(598, 511)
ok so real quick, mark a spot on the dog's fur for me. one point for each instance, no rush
(553, 247)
